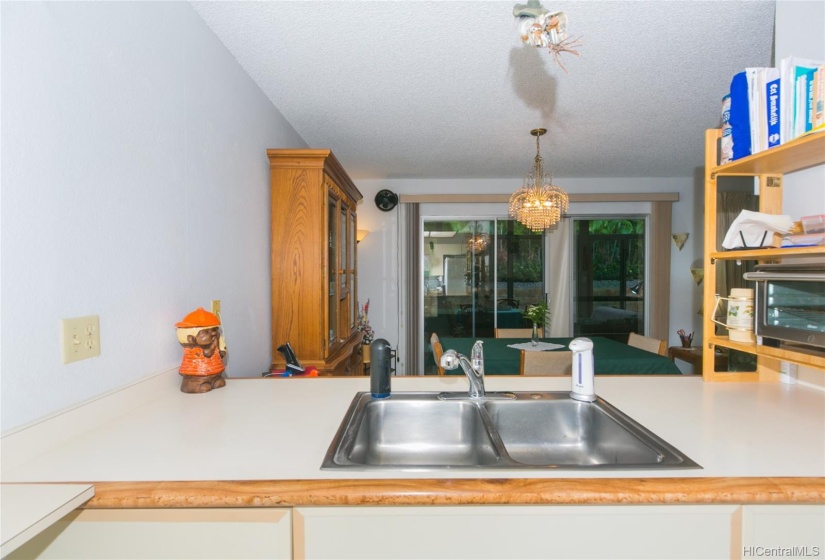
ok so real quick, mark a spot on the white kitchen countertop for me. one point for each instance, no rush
(279, 429)
(28, 509)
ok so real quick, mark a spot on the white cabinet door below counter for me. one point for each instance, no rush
(783, 531)
(165, 533)
(495, 532)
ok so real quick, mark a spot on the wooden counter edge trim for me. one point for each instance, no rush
(466, 491)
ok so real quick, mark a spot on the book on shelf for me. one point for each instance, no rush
(773, 101)
(819, 98)
(757, 108)
(797, 97)
(803, 111)
(809, 98)
(740, 116)
(771, 106)
(803, 240)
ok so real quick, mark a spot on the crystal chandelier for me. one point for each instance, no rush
(538, 204)
(477, 243)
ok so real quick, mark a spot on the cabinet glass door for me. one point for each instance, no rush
(332, 271)
(342, 224)
(343, 272)
(352, 267)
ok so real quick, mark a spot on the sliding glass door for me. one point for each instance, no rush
(519, 272)
(609, 272)
(478, 275)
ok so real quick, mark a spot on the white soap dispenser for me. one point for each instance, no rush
(583, 380)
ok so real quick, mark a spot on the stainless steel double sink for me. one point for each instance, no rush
(520, 430)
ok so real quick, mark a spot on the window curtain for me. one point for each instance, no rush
(661, 218)
(558, 264)
(411, 298)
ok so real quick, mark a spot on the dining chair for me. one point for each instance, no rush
(546, 363)
(510, 303)
(518, 333)
(646, 343)
(438, 350)
(466, 308)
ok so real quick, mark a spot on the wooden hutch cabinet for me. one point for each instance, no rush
(314, 269)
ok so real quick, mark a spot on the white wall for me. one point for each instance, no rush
(799, 26)
(378, 254)
(134, 187)
(798, 32)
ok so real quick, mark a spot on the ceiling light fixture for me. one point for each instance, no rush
(538, 204)
(477, 243)
(539, 27)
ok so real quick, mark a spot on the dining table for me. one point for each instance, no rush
(505, 318)
(609, 356)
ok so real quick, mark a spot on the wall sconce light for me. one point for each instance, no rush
(361, 234)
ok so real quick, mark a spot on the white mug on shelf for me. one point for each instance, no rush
(739, 320)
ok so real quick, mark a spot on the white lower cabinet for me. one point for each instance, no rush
(165, 533)
(785, 531)
(446, 532)
(498, 532)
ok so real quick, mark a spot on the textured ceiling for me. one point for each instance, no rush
(420, 89)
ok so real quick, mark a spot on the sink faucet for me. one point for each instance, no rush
(473, 370)
(477, 358)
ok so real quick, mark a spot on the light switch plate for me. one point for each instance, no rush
(80, 338)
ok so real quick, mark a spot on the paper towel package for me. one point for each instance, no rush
(755, 229)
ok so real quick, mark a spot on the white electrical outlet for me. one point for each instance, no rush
(80, 338)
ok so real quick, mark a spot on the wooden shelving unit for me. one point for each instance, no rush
(768, 166)
(768, 254)
(795, 155)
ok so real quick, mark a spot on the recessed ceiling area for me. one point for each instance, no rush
(421, 89)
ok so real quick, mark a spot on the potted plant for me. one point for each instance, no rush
(537, 313)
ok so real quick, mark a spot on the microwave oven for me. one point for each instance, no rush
(790, 303)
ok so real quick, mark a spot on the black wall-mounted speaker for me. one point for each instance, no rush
(386, 200)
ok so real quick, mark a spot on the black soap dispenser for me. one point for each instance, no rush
(381, 355)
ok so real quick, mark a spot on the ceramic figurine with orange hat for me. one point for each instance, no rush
(203, 349)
